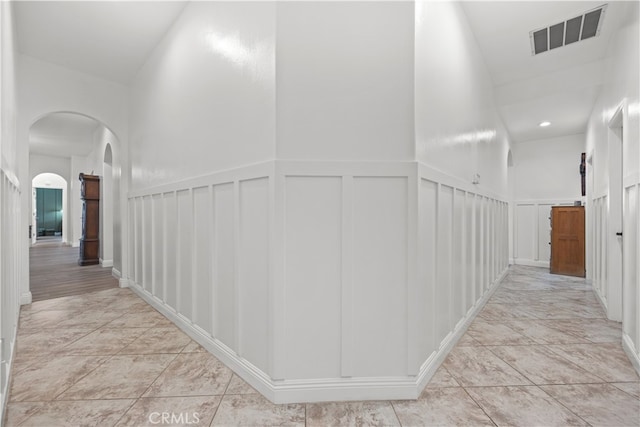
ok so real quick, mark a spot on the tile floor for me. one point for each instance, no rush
(541, 353)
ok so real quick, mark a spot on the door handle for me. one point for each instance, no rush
(619, 234)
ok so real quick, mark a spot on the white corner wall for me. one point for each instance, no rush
(278, 244)
(620, 92)
(546, 173)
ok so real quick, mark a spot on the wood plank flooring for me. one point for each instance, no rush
(54, 273)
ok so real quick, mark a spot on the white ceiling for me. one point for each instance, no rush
(63, 135)
(560, 85)
(112, 39)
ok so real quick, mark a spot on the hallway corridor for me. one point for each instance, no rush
(54, 273)
(540, 353)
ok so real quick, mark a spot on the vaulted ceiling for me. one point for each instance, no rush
(112, 39)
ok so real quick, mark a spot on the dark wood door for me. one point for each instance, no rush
(567, 240)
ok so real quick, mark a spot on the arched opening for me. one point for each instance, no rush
(68, 144)
(50, 211)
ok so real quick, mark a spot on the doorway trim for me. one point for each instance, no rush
(616, 135)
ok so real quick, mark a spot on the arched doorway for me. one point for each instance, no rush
(50, 217)
(68, 144)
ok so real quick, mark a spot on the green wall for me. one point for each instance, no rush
(48, 211)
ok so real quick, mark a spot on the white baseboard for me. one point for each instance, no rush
(116, 273)
(106, 263)
(629, 348)
(531, 262)
(25, 298)
(75, 245)
(9, 365)
(123, 283)
(320, 390)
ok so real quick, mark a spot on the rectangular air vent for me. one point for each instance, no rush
(570, 31)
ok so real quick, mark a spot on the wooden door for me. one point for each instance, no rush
(567, 240)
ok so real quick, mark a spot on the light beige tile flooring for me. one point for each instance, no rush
(541, 353)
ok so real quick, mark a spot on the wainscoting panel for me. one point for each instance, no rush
(224, 264)
(170, 216)
(319, 281)
(313, 271)
(380, 244)
(11, 236)
(427, 265)
(203, 291)
(253, 271)
(159, 236)
(599, 247)
(184, 199)
(443, 299)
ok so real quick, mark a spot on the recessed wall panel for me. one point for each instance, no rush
(158, 246)
(147, 242)
(185, 253)
(224, 249)
(171, 249)
(380, 276)
(458, 260)
(253, 270)
(202, 284)
(479, 247)
(444, 292)
(313, 270)
(468, 247)
(427, 264)
(139, 242)
(133, 259)
(526, 218)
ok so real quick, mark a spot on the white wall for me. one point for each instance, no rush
(607, 202)
(64, 90)
(546, 173)
(458, 130)
(208, 86)
(549, 168)
(11, 230)
(335, 62)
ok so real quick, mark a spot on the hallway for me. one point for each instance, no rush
(540, 353)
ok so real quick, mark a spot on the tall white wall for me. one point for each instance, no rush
(205, 99)
(11, 230)
(546, 174)
(335, 62)
(458, 130)
(607, 268)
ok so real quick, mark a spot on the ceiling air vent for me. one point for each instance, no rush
(570, 31)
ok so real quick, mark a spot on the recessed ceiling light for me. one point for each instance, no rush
(544, 124)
